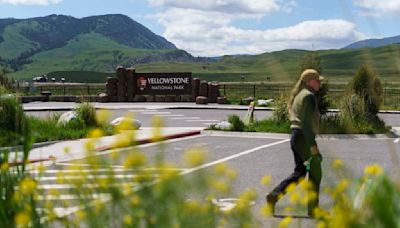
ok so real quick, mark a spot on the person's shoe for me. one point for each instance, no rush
(271, 201)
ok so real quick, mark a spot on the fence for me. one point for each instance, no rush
(78, 89)
(238, 91)
(233, 91)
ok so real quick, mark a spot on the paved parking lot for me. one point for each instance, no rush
(252, 156)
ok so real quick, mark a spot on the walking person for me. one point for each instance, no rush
(304, 118)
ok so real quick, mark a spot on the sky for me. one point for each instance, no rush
(230, 27)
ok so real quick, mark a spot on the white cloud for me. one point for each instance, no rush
(223, 6)
(30, 2)
(211, 34)
(205, 28)
(379, 7)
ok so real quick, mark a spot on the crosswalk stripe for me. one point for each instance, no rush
(70, 186)
(184, 118)
(90, 177)
(101, 196)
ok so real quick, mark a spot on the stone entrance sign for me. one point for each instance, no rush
(164, 83)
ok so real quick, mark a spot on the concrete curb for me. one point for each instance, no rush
(150, 140)
(285, 135)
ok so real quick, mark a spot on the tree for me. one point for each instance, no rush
(313, 61)
(368, 87)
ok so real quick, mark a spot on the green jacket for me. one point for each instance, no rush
(304, 115)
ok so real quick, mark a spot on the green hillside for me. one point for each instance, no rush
(90, 52)
(338, 65)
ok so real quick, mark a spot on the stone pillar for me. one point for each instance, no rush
(122, 81)
(213, 92)
(203, 91)
(195, 88)
(130, 84)
(111, 89)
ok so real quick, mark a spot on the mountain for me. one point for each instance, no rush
(374, 42)
(98, 43)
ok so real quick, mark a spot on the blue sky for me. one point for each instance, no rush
(220, 27)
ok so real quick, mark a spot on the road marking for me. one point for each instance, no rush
(184, 118)
(155, 113)
(172, 115)
(397, 140)
(201, 120)
(91, 177)
(70, 186)
(101, 196)
(144, 110)
(233, 157)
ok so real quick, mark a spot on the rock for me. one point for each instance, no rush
(265, 102)
(222, 100)
(247, 101)
(224, 125)
(67, 117)
(127, 123)
(201, 100)
(103, 98)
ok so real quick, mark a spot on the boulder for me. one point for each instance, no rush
(222, 100)
(126, 123)
(224, 125)
(67, 117)
(201, 100)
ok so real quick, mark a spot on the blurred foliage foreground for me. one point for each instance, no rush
(159, 194)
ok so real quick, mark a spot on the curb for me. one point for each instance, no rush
(389, 135)
(150, 140)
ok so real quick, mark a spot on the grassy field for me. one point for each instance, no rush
(103, 55)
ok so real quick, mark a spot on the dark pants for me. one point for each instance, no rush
(301, 152)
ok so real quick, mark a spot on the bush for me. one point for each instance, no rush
(368, 87)
(14, 127)
(237, 123)
(87, 113)
(281, 114)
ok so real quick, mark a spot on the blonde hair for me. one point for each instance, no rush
(300, 84)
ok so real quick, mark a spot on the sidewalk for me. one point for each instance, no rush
(76, 148)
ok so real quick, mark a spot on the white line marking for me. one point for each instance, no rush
(155, 113)
(102, 196)
(201, 120)
(184, 118)
(397, 140)
(233, 157)
(172, 115)
(70, 186)
(114, 169)
(89, 177)
(143, 110)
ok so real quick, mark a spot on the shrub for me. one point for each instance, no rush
(368, 87)
(280, 113)
(14, 127)
(87, 113)
(237, 123)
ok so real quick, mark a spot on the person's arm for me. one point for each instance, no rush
(308, 118)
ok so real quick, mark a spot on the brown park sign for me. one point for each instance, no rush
(163, 83)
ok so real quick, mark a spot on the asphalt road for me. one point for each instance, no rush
(194, 117)
(254, 156)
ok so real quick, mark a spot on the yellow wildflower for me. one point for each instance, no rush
(266, 180)
(373, 170)
(135, 200)
(135, 160)
(22, 219)
(95, 133)
(102, 116)
(195, 157)
(4, 167)
(27, 186)
(285, 222)
(128, 220)
(337, 164)
(266, 210)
